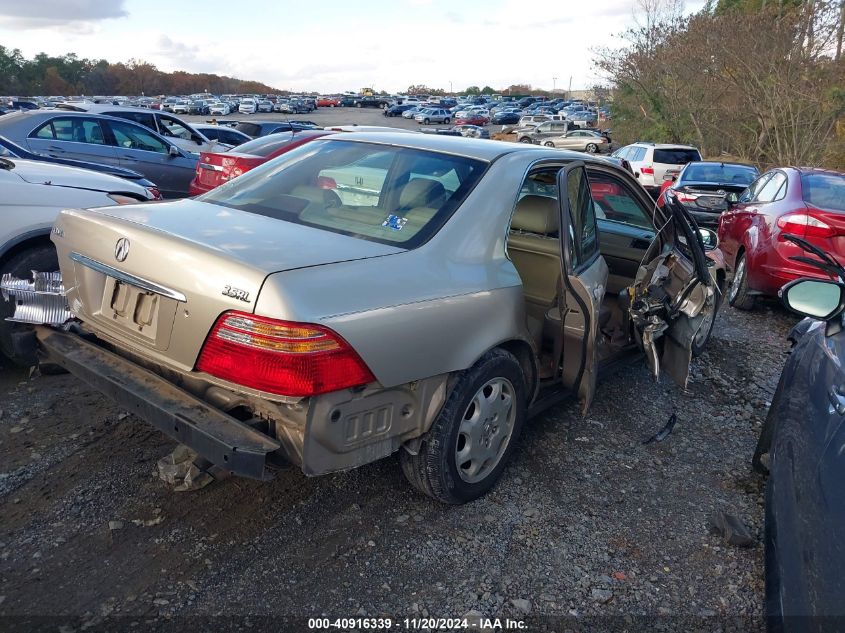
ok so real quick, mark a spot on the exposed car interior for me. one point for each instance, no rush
(625, 234)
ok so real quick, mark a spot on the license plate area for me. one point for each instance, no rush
(146, 315)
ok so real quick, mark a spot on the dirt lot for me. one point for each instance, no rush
(586, 522)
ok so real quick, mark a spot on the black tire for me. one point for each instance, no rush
(434, 469)
(525, 139)
(447, 120)
(739, 295)
(699, 343)
(549, 144)
(358, 105)
(592, 148)
(40, 258)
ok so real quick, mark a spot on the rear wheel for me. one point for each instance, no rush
(447, 120)
(739, 295)
(38, 258)
(702, 337)
(464, 453)
(525, 139)
(592, 148)
(426, 121)
(549, 144)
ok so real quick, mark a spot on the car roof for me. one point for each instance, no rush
(721, 162)
(663, 145)
(457, 145)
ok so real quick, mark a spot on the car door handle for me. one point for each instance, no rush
(837, 400)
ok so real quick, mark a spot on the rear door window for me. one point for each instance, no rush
(615, 202)
(773, 189)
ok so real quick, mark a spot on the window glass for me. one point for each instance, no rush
(676, 156)
(383, 194)
(45, 131)
(172, 127)
(749, 194)
(824, 190)
(615, 202)
(722, 173)
(141, 118)
(583, 232)
(130, 136)
(771, 190)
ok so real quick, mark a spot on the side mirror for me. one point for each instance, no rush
(174, 152)
(816, 298)
(709, 238)
(636, 174)
(732, 198)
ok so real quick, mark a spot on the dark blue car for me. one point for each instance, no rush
(505, 118)
(802, 446)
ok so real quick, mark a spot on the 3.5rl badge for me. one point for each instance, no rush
(236, 293)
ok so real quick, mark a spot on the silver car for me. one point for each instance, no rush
(433, 115)
(378, 292)
(103, 139)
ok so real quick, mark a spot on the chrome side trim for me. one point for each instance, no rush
(132, 280)
(210, 167)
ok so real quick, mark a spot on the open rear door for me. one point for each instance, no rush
(584, 279)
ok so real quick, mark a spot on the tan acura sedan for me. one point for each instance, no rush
(378, 292)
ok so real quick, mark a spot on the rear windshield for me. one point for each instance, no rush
(387, 194)
(250, 129)
(825, 191)
(265, 145)
(720, 173)
(676, 156)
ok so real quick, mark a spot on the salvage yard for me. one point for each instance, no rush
(586, 521)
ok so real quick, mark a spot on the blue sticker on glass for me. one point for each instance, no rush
(394, 222)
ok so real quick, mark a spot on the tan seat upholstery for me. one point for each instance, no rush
(421, 192)
(534, 249)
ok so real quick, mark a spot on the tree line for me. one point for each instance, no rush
(70, 75)
(756, 80)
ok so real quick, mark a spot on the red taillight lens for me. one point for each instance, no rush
(281, 357)
(326, 182)
(685, 197)
(804, 224)
(154, 192)
(647, 170)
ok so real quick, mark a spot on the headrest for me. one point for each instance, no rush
(536, 214)
(421, 192)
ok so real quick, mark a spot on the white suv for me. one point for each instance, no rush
(248, 106)
(650, 161)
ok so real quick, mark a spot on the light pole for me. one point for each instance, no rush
(450, 88)
(569, 91)
(554, 83)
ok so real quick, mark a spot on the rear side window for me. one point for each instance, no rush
(676, 156)
(391, 195)
(774, 189)
(825, 191)
(76, 130)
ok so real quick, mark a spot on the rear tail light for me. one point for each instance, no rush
(122, 199)
(326, 182)
(686, 197)
(805, 225)
(647, 170)
(154, 192)
(281, 357)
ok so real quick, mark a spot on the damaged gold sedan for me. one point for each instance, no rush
(378, 293)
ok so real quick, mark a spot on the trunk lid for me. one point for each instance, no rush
(156, 276)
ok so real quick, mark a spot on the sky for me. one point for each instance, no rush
(335, 45)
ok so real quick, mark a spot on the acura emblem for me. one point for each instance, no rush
(121, 249)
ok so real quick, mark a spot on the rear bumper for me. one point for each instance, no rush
(216, 436)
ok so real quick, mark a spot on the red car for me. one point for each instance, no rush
(327, 102)
(809, 203)
(217, 168)
(473, 119)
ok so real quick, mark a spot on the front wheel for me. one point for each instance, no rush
(739, 295)
(426, 121)
(447, 120)
(702, 337)
(525, 139)
(549, 144)
(358, 105)
(467, 447)
(592, 148)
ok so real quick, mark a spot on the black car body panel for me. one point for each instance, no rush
(804, 436)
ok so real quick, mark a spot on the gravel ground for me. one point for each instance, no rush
(587, 522)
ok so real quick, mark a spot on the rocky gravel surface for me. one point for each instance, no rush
(588, 525)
